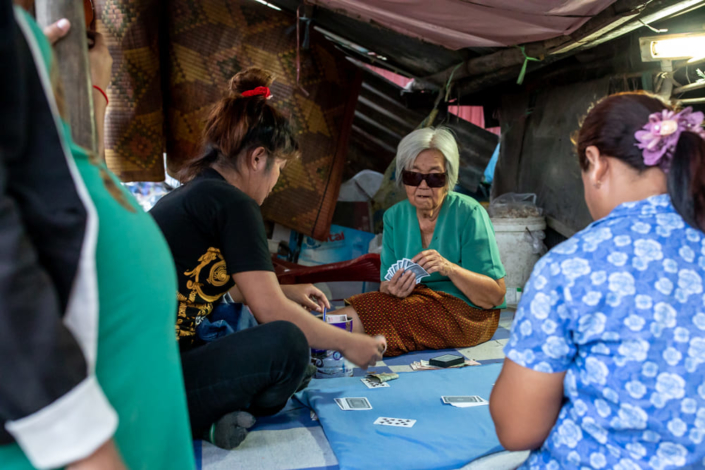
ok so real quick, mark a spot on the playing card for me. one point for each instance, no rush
(398, 422)
(417, 270)
(353, 404)
(374, 384)
(336, 318)
(468, 405)
(464, 401)
(390, 274)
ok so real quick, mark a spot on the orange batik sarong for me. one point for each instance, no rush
(426, 319)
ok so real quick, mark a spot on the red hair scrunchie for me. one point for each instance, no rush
(260, 90)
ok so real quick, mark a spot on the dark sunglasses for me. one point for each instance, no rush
(433, 180)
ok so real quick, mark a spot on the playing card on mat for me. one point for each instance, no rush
(398, 422)
(354, 404)
(464, 401)
(374, 384)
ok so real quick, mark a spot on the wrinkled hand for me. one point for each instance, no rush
(100, 60)
(364, 351)
(106, 457)
(58, 30)
(402, 284)
(433, 262)
(306, 295)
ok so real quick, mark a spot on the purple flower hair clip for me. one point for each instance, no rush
(658, 139)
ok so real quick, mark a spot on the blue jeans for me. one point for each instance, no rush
(226, 318)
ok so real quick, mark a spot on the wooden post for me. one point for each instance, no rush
(74, 68)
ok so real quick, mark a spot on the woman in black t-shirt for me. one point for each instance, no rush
(216, 234)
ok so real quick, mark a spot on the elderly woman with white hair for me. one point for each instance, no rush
(448, 234)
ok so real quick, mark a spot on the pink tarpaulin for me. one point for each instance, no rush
(473, 114)
(456, 24)
(391, 76)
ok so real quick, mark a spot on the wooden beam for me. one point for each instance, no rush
(510, 57)
(593, 36)
(483, 65)
(74, 68)
(689, 87)
(691, 101)
(687, 63)
(656, 9)
(621, 18)
(653, 11)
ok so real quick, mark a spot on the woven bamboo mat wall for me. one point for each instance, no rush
(203, 44)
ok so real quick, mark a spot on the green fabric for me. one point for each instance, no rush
(138, 364)
(464, 235)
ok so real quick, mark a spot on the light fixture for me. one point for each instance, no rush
(274, 7)
(376, 56)
(672, 47)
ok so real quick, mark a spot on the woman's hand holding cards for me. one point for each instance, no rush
(433, 262)
(402, 284)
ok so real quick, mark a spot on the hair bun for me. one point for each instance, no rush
(249, 79)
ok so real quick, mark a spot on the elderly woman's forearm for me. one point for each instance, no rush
(482, 290)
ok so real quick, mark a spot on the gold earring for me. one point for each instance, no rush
(598, 184)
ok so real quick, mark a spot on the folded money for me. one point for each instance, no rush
(383, 377)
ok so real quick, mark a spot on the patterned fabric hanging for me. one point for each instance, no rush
(171, 83)
(134, 126)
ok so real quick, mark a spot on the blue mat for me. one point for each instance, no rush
(444, 437)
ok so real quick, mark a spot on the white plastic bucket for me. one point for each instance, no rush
(516, 253)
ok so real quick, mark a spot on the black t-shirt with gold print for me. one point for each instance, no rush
(214, 230)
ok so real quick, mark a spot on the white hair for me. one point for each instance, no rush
(441, 139)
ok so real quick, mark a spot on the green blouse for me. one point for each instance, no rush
(464, 235)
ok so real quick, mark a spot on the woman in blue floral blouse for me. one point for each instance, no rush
(605, 366)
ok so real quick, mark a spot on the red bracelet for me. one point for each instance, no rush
(105, 95)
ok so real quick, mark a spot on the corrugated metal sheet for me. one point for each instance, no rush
(383, 118)
(476, 148)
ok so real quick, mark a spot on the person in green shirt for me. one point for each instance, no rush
(91, 380)
(449, 235)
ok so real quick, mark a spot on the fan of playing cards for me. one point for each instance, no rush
(406, 265)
